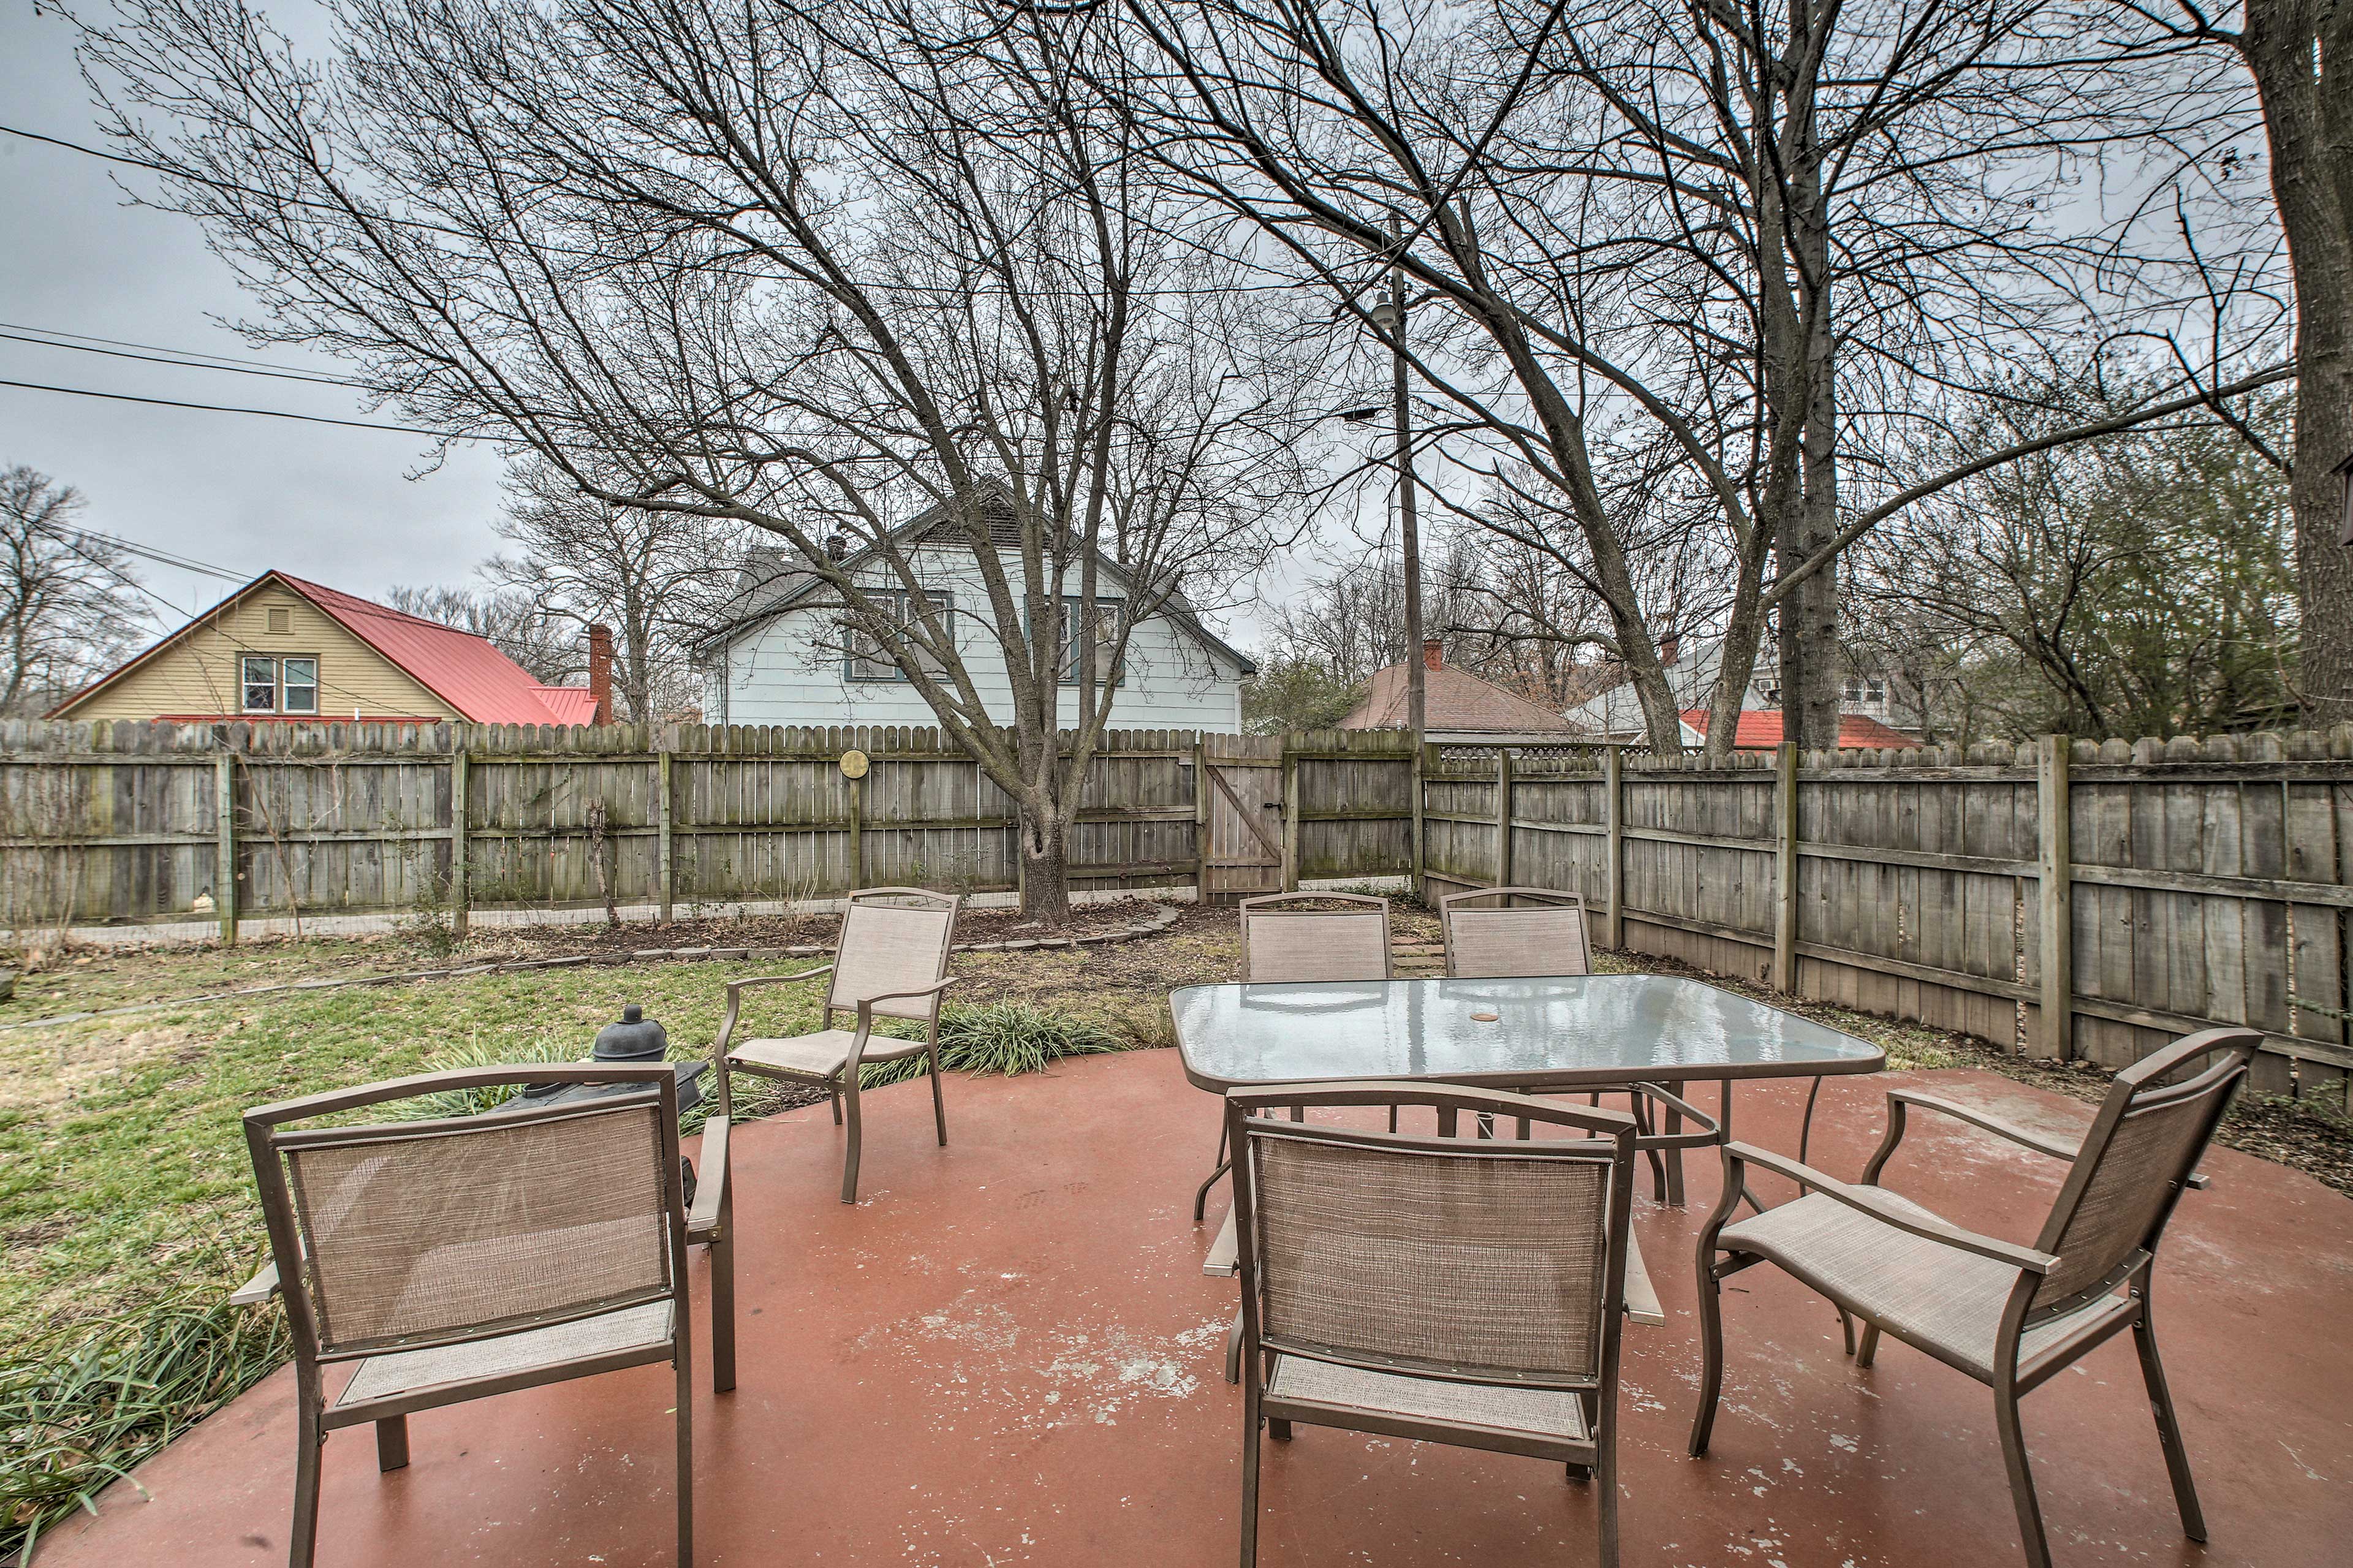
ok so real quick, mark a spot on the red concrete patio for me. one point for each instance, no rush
(1006, 1353)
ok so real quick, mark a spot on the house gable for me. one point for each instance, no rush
(193, 673)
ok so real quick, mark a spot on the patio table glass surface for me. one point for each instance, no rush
(1557, 1032)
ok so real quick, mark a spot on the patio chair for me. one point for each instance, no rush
(1544, 934)
(2011, 1317)
(451, 1259)
(1296, 946)
(1301, 946)
(1450, 1289)
(891, 962)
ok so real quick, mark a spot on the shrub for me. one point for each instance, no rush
(79, 1412)
(475, 1054)
(1006, 1037)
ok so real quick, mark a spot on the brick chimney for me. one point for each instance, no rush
(1669, 646)
(600, 670)
(1433, 654)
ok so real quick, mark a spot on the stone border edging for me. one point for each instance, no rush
(1163, 917)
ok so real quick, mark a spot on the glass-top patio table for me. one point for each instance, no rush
(1540, 1036)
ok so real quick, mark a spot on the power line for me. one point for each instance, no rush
(238, 361)
(182, 364)
(220, 408)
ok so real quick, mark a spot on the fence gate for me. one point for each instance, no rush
(1243, 790)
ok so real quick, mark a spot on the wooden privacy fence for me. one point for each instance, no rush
(2186, 883)
(2182, 884)
(132, 823)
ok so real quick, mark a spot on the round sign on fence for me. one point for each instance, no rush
(853, 764)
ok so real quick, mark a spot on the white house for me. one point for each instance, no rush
(778, 656)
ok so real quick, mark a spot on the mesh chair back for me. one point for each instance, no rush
(460, 1232)
(888, 947)
(2122, 1192)
(1487, 1263)
(1298, 946)
(1548, 938)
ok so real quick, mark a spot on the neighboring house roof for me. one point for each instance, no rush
(1760, 730)
(466, 672)
(1454, 701)
(773, 579)
(1601, 697)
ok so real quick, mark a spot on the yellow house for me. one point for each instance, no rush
(282, 649)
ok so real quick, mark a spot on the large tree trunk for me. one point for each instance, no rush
(2300, 53)
(1045, 870)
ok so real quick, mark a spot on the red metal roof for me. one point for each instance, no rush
(466, 672)
(1760, 730)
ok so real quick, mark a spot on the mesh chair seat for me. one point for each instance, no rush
(1538, 1411)
(646, 1327)
(1935, 1298)
(820, 1055)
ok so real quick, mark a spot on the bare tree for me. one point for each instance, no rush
(68, 600)
(800, 267)
(657, 579)
(546, 645)
(2141, 585)
(1682, 265)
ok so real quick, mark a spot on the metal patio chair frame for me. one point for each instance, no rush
(1667, 1173)
(1901, 1268)
(1268, 911)
(341, 1275)
(1426, 1364)
(866, 990)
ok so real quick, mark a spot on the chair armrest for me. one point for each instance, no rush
(1869, 1201)
(258, 1289)
(737, 987)
(1897, 1098)
(1991, 1124)
(866, 1005)
(1710, 1131)
(710, 1186)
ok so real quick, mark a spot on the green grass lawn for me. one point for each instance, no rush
(122, 1165)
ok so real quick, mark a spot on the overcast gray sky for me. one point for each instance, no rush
(233, 490)
(357, 510)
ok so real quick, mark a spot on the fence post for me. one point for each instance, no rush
(1613, 821)
(857, 835)
(1420, 855)
(1785, 870)
(1290, 816)
(460, 819)
(2054, 1036)
(1202, 787)
(1503, 817)
(225, 848)
(665, 881)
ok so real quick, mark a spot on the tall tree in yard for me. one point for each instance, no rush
(1682, 267)
(2299, 54)
(803, 269)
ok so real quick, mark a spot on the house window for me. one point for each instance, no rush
(281, 619)
(278, 685)
(867, 661)
(298, 685)
(1107, 623)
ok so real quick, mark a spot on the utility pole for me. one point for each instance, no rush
(1391, 316)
